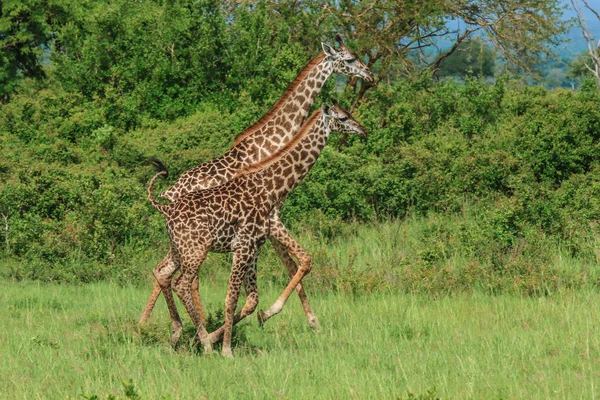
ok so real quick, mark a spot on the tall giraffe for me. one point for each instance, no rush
(262, 139)
(235, 217)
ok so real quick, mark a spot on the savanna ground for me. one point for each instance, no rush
(422, 329)
(61, 341)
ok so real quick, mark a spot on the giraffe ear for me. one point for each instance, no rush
(325, 109)
(329, 51)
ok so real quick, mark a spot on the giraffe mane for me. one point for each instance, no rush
(282, 152)
(261, 122)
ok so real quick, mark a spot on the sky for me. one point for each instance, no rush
(577, 43)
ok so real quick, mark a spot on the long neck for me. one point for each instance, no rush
(287, 172)
(286, 117)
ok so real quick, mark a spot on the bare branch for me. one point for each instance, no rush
(593, 47)
(7, 243)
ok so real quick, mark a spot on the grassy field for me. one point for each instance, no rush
(73, 341)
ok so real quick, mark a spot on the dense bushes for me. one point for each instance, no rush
(525, 160)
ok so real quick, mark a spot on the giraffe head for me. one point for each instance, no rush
(347, 62)
(339, 120)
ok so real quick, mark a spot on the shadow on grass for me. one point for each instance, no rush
(153, 334)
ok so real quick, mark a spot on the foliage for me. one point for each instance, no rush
(577, 66)
(471, 57)
(143, 58)
(399, 34)
(179, 80)
(25, 34)
(523, 158)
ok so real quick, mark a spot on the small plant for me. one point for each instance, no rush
(429, 395)
(129, 393)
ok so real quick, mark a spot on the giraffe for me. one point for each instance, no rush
(235, 217)
(262, 139)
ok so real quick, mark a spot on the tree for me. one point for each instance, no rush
(592, 61)
(470, 57)
(26, 32)
(144, 58)
(395, 35)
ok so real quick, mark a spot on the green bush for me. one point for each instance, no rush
(72, 182)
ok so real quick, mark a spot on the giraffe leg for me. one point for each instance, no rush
(164, 274)
(242, 256)
(251, 301)
(197, 301)
(290, 264)
(183, 288)
(305, 265)
(278, 235)
(155, 293)
(157, 290)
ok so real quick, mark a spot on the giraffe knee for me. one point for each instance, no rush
(180, 286)
(162, 278)
(305, 265)
(251, 304)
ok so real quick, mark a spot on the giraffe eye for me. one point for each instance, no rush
(343, 119)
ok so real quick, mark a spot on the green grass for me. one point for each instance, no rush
(436, 254)
(59, 341)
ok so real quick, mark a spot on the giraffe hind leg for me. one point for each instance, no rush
(164, 275)
(183, 287)
(155, 293)
(198, 301)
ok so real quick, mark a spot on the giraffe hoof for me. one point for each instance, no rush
(208, 349)
(262, 317)
(174, 340)
(314, 323)
(226, 353)
(175, 336)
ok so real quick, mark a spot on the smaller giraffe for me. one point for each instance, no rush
(235, 217)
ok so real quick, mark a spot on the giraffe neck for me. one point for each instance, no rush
(286, 117)
(265, 137)
(284, 171)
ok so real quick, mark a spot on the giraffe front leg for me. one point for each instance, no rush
(242, 256)
(305, 265)
(249, 306)
(155, 293)
(279, 234)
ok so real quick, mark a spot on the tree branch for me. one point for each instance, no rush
(441, 57)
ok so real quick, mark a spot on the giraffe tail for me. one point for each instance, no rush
(160, 207)
(159, 165)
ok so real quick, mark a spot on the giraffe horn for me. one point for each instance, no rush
(338, 39)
